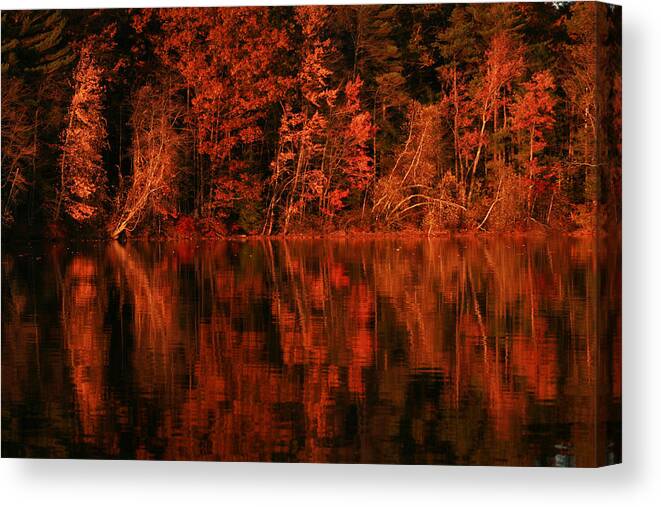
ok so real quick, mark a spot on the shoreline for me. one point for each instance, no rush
(338, 235)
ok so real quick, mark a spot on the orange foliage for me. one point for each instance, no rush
(83, 178)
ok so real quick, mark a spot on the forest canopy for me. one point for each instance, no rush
(208, 122)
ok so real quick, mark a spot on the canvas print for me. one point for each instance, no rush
(371, 234)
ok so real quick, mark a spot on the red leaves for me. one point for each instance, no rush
(358, 167)
(324, 137)
(230, 188)
(533, 117)
(474, 102)
(226, 58)
(82, 174)
(534, 108)
(277, 113)
(504, 63)
(335, 201)
(185, 227)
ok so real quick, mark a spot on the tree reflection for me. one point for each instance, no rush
(489, 351)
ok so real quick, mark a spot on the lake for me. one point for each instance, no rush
(490, 351)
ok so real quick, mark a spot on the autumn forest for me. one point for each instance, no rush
(212, 122)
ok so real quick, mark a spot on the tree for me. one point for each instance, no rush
(83, 191)
(458, 47)
(306, 118)
(503, 63)
(533, 110)
(354, 154)
(155, 155)
(377, 58)
(592, 57)
(35, 57)
(32, 43)
(580, 86)
(348, 163)
(324, 136)
(18, 145)
(417, 182)
(532, 115)
(228, 61)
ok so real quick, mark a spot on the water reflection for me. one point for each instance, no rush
(489, 351)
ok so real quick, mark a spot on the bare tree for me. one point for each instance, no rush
(155, 153)
(414, 182)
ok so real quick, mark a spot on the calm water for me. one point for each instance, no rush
(487, 351)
